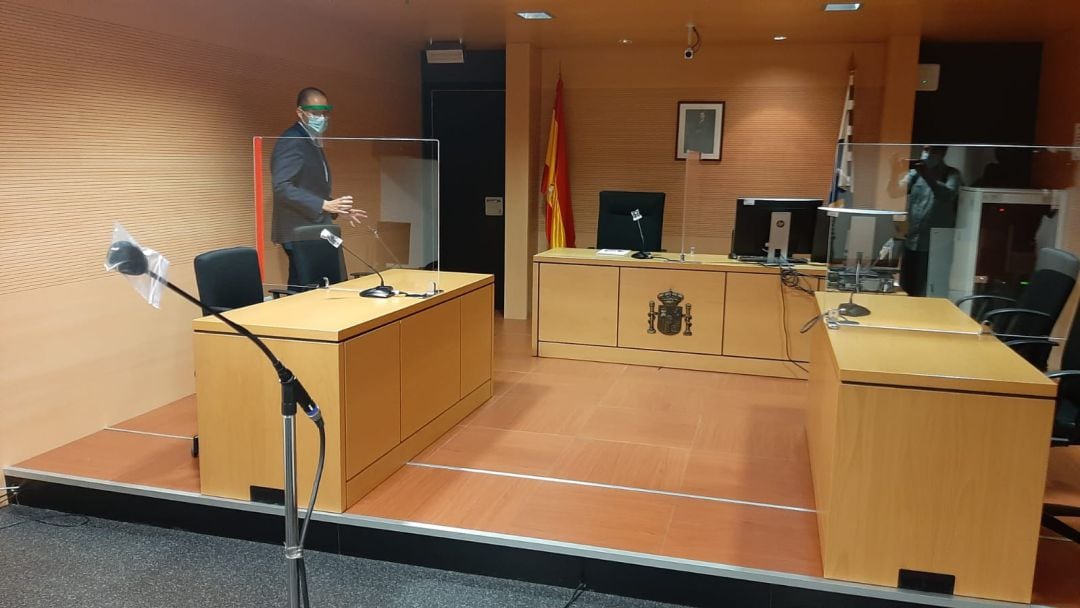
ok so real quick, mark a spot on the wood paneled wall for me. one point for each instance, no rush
(110, 121)
(1059, 111)
(782, 117)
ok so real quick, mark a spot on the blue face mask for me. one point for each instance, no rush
(317, 123)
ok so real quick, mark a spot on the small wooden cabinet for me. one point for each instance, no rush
(390, 377)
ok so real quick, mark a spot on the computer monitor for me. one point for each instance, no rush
(616, 228)
(820, 253)
(773, 229)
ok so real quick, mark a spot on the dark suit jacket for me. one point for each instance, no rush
(301, 178)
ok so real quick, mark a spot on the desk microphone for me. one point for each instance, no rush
(383, 290)
(850, 308)
(641, 255)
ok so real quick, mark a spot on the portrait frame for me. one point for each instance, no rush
(700, 125)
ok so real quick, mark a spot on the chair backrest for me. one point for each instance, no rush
(615, 228)
(228, 278)
(1067, 416)
(314, 258)
(1048, 290)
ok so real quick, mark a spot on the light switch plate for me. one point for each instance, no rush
(1076, 142)
(493, 205)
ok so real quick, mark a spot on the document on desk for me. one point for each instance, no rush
(612, 251)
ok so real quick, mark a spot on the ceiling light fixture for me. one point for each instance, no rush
(625, 41)
(779, 38)
(839, 7)
(534, 15)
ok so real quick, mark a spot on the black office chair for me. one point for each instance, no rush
(228, 279)
(1066, 429)
(1037, 309)
(315, 258)
(615, 229)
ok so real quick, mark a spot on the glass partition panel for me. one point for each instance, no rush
(692, 239)
(970, 223)
(376, 200)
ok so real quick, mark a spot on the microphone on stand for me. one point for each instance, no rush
(127, 258)
(850, 308)
(641, 255)
(383, 290)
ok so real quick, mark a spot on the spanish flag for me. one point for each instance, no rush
(556, 183)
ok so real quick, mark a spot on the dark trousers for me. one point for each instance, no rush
(914, 268)
(294, 274)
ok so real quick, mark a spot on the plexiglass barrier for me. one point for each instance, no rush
(332, 209)
(982, 226)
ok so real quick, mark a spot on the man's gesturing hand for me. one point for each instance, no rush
(342, 204)
(357, 217)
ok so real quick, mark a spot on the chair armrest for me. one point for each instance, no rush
(1016, 311)
(357, 275)
(278, 293)
(1031, 342)
(1064, 373)
(219, 309)
(984, 297)
(1035, 351)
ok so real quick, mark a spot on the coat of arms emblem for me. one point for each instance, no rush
(669, 319)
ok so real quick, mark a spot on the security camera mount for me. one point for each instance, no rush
(693, 41)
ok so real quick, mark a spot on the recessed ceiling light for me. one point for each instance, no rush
(779, 38)
(625, 41)
(531, 15)
(833, 7)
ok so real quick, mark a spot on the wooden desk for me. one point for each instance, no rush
(390, 375)
(928, 450)
(743, 320)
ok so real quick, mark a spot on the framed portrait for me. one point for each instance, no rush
(701, 129)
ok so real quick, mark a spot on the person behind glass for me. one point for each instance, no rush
(301, 176)
(932, 190)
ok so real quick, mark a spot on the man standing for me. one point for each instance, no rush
(932, 191)
(301, 176)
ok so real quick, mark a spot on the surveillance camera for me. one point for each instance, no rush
(688, 54)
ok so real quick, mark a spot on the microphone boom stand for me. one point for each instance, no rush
(293, 395)
(127, 258)
(636, 216)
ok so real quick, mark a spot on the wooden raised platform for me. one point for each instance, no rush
(683, 472)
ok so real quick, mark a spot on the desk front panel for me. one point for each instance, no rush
(579, 304)
(430, 365)
(937, 481)
(698, 325)
(372, 396)
(728, 317)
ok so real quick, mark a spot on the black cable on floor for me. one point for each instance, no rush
(577, 594)
(80, 521)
